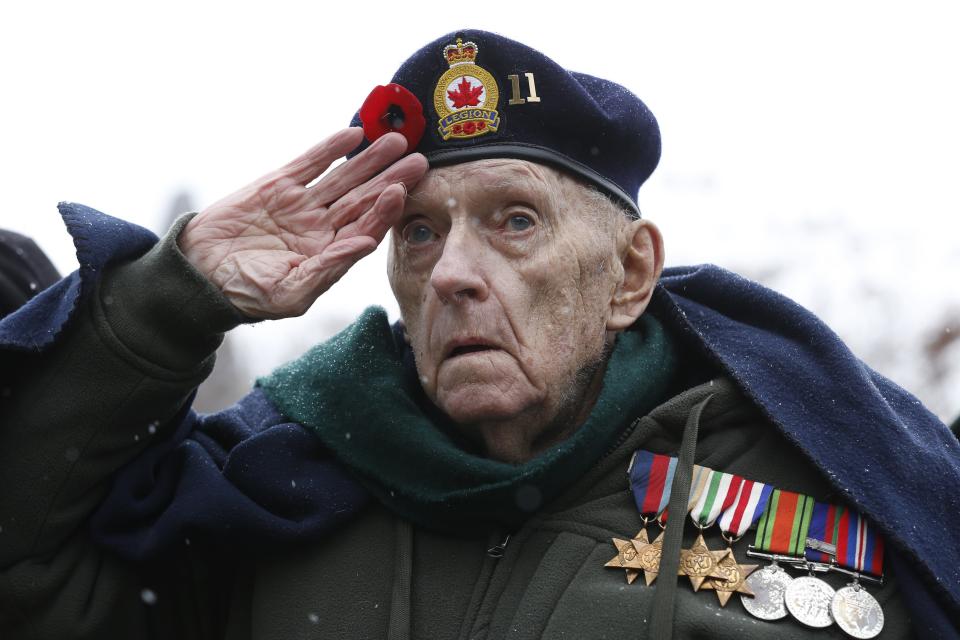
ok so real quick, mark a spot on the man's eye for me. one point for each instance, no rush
(519, 223)
(418, 233)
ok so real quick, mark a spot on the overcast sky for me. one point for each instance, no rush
(781, 122)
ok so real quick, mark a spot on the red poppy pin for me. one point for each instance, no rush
(393, 108)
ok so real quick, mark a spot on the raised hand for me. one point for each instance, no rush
(275, 246)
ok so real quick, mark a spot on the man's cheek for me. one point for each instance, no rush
(426, 369)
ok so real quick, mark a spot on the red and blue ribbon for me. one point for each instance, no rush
(748, 505)
(651, 476)
(824, 527)
(859, 546)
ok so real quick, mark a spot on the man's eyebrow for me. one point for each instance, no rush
(537, 186)
(514, 184)
(417, 196)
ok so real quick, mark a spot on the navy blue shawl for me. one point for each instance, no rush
(879, 447)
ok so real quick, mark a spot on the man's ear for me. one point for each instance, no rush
(641, 246)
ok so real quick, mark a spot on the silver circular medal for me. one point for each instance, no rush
(857, 612)
(808, 600)
(768, 586)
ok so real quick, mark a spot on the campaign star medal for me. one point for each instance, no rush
(739, 513)
(734, 578)
(649, 557)
(651, 476)
(466, 95)
(791, 528)
(699, 562)
(710, 491)
(628, 555)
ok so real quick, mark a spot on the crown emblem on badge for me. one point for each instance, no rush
(460, 52)
(466, 95)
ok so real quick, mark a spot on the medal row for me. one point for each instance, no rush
(793, 531)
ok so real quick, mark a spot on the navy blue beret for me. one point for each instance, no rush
(486, 96)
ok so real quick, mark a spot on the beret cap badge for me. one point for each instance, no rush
(466, 95)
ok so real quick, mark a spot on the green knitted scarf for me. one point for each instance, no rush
(360, 394)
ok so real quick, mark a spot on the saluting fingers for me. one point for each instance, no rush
(318, 159)
(384, 151)
(377, 221)
(318, 273)
(360, 200)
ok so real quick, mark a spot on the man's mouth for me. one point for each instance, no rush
(472, 348)
(467, 346)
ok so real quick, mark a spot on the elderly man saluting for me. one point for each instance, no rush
(552, 418)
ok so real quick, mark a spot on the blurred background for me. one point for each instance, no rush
(810, 146)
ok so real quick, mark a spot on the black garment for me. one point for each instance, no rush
(24, 271)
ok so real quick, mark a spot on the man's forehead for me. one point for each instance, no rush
(490, 175)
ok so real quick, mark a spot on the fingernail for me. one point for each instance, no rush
(404, 189)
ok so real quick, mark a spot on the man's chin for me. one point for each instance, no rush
(479, 402)
(472, 407)
(484, 388)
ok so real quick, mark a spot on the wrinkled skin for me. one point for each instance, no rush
(512, 282)
(276, 245)
(511, 290)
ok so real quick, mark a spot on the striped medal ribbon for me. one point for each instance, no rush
(747, 507)
(708, 492)
(822, 535)
(720, 492)
(698, 483)
(859, 550)
(791, 528)
(783, 527)
(781, 535)
(651, 477)
(859, 546)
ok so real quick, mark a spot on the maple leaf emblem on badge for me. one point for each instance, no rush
(465, 95)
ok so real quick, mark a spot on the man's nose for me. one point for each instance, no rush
(459, 274)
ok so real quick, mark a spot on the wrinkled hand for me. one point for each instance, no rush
(275, 246)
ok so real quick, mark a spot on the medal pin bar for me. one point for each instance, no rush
(792, 529)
